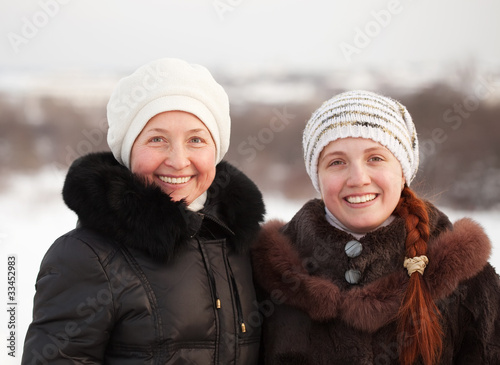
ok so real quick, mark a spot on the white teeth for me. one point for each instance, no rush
(175, 180)
(361, 199)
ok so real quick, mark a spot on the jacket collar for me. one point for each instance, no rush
(455, 254)
(108, 198)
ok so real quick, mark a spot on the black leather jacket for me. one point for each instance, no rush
(143, 280)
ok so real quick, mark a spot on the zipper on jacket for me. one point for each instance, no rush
(215, 294)
(211, 278)
(236, 292)
(237, 299)
(219, 222)
(241, 322)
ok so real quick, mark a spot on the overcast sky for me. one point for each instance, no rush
(247, 34)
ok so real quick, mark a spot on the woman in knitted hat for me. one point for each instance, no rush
(158, 269)
(370, 273)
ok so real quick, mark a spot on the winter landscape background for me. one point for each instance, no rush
(278, 60)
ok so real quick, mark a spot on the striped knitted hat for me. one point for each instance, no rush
(361, 114)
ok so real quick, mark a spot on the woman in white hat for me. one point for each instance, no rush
(158, 269)
(370, 273)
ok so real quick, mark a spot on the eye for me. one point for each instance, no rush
(197, 141)
(156, 139)
(336, 163)
(376, 158)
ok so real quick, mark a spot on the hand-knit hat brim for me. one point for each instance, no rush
(171, 103)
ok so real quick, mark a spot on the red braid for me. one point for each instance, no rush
(418, 317)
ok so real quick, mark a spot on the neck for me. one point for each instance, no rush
(198, 203)
(337, 224)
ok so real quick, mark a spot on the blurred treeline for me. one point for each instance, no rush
(459, 135)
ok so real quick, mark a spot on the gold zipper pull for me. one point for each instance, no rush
(217, 304)
(243, 327)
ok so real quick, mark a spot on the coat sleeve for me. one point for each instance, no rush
(481, 341)
(73, 307)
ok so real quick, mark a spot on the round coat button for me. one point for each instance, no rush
(353, 248)
(352, 276)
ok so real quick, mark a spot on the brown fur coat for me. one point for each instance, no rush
(313, 316)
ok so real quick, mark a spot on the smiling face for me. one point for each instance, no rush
(176, 152)
(360, 182)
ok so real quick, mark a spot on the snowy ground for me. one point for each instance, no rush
(32, 215)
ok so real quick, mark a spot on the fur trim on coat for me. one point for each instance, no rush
(302, 264)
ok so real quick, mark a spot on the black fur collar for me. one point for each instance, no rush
(108, 198)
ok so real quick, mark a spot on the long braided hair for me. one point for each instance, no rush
(418, 317)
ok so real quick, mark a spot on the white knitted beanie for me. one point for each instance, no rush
(361, 114)
(164, 85)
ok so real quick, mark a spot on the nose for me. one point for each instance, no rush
(178, 158)
(358, 175)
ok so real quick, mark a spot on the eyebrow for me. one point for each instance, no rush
(198, 130)
(156, 130)
(375, 148)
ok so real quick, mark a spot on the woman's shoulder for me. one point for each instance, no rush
(79, 247)
(457, 254)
